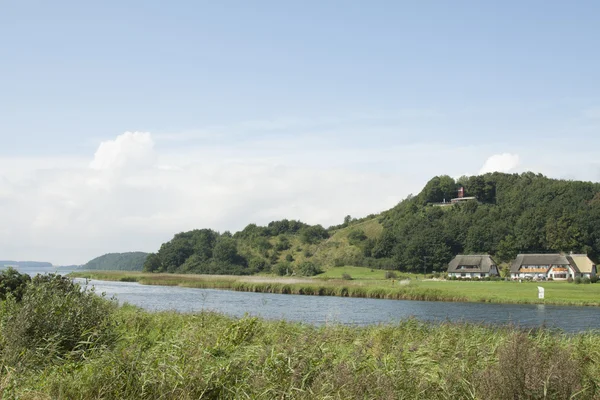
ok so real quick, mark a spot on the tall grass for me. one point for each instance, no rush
(210, 356)
(490, 292)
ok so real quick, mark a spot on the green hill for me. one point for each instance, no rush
(511, 213)
(133, 261)
(26, 264)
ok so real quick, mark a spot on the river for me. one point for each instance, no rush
(343, 310)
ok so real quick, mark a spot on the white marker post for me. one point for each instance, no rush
(540, 292)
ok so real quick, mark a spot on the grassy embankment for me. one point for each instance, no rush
(371, 284)
(210, 356)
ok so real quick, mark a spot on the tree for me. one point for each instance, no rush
(356, 237)
(225, 251)
(152, 263)
(313, 234)
(13, 282)
(307, 268)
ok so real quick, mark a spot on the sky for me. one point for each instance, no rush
(125, 122)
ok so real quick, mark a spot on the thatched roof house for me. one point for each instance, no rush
(473, 266)
(555, 266)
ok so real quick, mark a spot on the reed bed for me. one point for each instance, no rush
(210, 356)
(487, 292)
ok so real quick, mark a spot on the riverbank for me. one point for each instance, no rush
(59, 342)
(559, 293)
(207, 355)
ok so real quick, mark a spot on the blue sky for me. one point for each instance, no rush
(391, 91)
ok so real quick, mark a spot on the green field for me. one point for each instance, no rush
(370, 284)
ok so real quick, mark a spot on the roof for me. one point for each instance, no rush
(538, 259)
(478, 263)
(581, 262)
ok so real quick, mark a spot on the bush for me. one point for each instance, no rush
(55, 320)
(356, 237)
(569, 279)
(594, 279)
(308, 269)
(13, 282)
(281, 269)
(586, 280)
(282, 244)
(313, 234)
(258, 264)
(578, 280)
(346, 276)
(390, 275)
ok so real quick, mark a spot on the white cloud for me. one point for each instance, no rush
(135, 194)
(129, 150)
(504, 162)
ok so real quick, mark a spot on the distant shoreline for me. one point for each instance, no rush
(558, 293)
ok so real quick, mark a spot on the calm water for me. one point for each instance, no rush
(356, 311)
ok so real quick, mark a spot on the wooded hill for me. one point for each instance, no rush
(132, 261)
(513, 213)
(26, 264)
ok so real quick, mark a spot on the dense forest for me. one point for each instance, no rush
(512, 213)
(133, 261)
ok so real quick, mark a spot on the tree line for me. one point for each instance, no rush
(512, 213)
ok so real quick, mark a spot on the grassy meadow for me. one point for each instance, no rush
(370, 283)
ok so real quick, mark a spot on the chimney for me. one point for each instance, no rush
(461, 192)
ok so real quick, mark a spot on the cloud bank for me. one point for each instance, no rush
(135, 191)
(505, 162)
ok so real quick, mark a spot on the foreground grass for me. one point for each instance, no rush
(369, 286)
(210, 356)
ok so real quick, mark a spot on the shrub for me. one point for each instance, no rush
(356, 237)
(346, 276)
(577, 280)
(55, 320)
(313, 234)
(586, 280)
(390, 275)
(13, 282)
(282, 244)
(281, 269)
(308, 269)
(257, 264)
(569, 279)
(594, 279)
